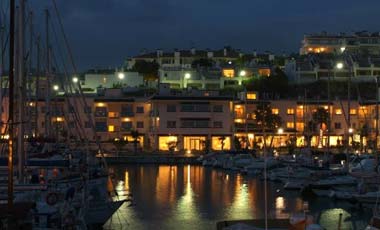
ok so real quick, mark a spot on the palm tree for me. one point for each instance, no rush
(321, 117)
(136, 136)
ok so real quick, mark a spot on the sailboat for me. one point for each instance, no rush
(80, 198)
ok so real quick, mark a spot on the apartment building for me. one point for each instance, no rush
(190, 121)
(336, 43)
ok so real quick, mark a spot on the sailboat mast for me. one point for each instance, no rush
(48, 90)
(10, 101)
(37, 92)
(21, 92)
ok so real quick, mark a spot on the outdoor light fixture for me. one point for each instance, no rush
(55, 87)
(187, 75)
(280, 131)
(75, 79)
(342, 49)
(243, 73)
(121, 75)
(350, 130)
(230, 62)
(339, 65)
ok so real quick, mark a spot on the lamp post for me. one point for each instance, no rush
(186, 77)
(280, 131)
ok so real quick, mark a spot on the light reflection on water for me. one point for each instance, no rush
(194, 197)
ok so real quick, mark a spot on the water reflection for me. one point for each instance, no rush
(194, 197)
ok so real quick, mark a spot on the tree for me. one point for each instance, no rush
(206, 145)
(222, 142)
(136, 136)
(237, 143)
(267, 120)
(364, 133)
(321, 117)
(119, 143)
(149, 70)
(172, 145)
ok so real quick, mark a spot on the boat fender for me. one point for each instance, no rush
(52, 198)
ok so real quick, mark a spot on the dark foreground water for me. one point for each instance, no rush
(194, 197)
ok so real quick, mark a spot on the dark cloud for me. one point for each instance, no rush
(105, 32)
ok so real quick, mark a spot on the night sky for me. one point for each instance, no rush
(104, 32)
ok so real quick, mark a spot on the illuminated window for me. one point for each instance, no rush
(338, 111)
(251, 96)
(59, 119)
(194, 142)
(228, 73)
(300, 126)
(221, 143)
(275, 111)
(239, 121)
(167, 141)
(290, 111)
(353, 111)
(111, 128)
(264, 72)
(239, 111)
(290, 125)
(112, 114)
(100, 104)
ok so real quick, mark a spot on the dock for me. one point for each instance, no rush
(153, 159)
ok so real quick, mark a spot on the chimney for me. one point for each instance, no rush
(192, 51)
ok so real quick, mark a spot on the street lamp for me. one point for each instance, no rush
(339, 65)
(186, 77)
(280, 131)
(121, 75)
(342, 49)
(55, 87)
(75, 80)
(243, 73)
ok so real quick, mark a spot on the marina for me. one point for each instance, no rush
(196, 197)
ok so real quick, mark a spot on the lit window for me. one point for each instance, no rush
(338, 111)
(353, 111)
(239, 121)
(228, 73)
(275, 111)
(290, 125)
(112, 114)
(251, 96)
(100, 104)
(290, 111)
(111, 128)
(264, 72)
(59, 119)
(300, 126)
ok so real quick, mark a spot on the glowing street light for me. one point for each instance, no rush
(339, 65)
(187, 75)
(342, 49)
(121, 75)
(243, 73)
(350, 130)
(280, 131)
(75, 80)
(55, 87)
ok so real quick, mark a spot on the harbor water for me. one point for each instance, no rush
(194, 197)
